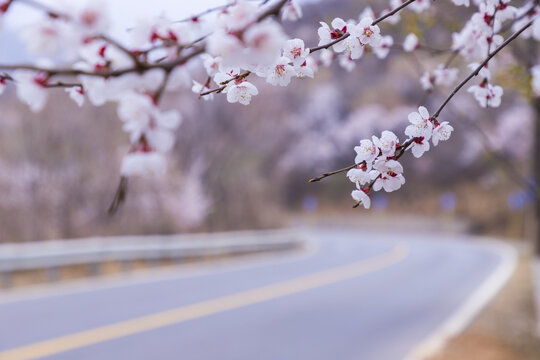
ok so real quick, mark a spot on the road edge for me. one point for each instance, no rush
(462, 317)
(106, 281)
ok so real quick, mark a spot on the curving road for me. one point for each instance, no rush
(353, 295)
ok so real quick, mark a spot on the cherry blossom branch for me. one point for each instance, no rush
(490, 37)
(205, 85)
(60, 84)
(55, 14)
(159, 92)
(452, 57)
(224, 84)
(123, 49)
(119, 196)
(195, 17)
(272, 10)
(108, 73)
(529, 11)
(396, 10)
(275, 10)
(50, 12)
(423, 47)
(138, 66)
(479, 67)
(375, 22)
(326, 46)
(401, 148)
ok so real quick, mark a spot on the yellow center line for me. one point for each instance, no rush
(205, 308)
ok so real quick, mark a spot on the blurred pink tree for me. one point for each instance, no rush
(243, 40)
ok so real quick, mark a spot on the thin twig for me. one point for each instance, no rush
(528, 12)
(327, 174)
(272, 10)
(400, 149)
(60, 84)
(50, 12)
(162, 86)
(224, 83)
(119, 196)
(195, 17)
(205, 85)
(123, 49)
(452, 57)
(326, 46)
(387, 15)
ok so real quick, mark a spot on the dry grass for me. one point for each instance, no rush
(505, 329)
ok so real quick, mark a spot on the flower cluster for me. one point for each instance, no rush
(377, 166)
(479, 38)
(487, 94)
(352, 39)
(292, 61)
(245, 40)
(441, 76)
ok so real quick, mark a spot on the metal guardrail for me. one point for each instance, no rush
(53, 255)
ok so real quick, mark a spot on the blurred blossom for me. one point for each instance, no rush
(380, 202)
(366, 121)
(447, 201)
(517, 200)
(513, 133)
(310, 203)
(472, 148)
(323, 102)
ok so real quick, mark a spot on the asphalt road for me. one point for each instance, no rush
(354, 295)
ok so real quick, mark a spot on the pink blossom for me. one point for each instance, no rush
(361, 197)
(241, 92)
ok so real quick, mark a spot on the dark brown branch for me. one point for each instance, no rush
(109, 73)
(387, 15)
(60, 84)
(327, 174)
(49, 11)
(123, 49)
(272, 10)
(400, 149)
(528, 12)
(452, 57)
(224, 83)
(326, 46)
(159, 92)
(195, 17)
(119, 196)
(205, 85)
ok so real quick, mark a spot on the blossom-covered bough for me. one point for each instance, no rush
(237, 42)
